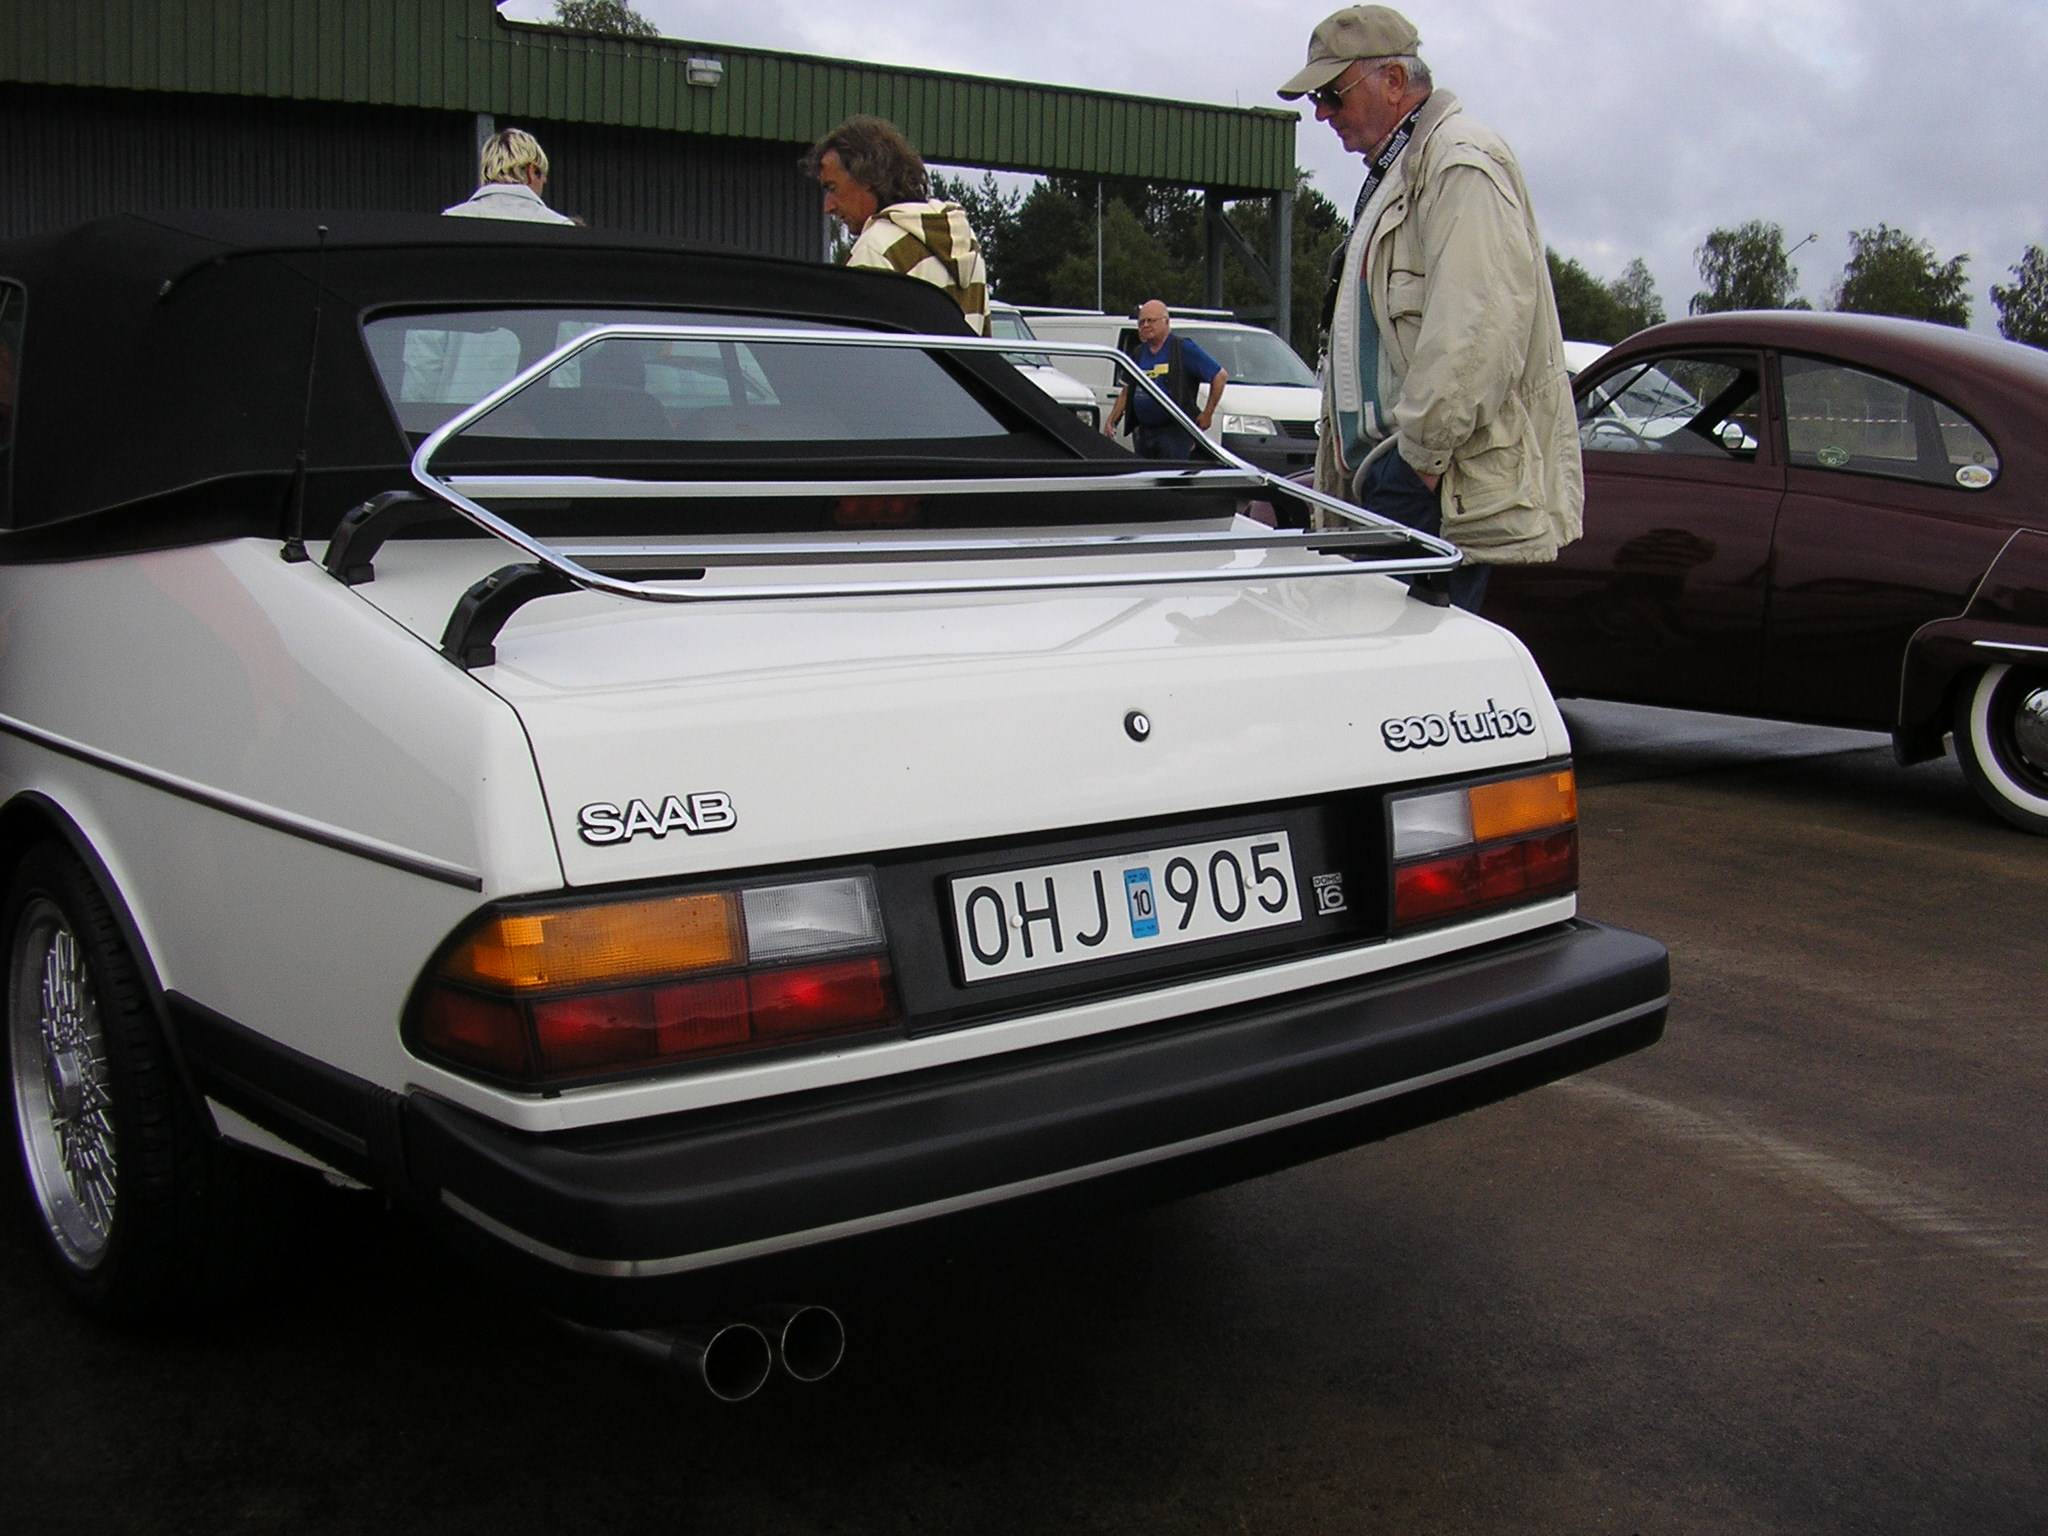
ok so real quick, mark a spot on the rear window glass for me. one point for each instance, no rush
(1843, 419)
(431, 366)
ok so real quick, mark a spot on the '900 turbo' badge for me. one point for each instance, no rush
(695, 815)
(1412, 733)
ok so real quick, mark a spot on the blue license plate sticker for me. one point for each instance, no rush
(1144, 909)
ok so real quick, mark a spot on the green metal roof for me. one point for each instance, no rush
(460, 55)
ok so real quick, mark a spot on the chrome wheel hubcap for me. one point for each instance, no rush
(2030, 729)
(62, 1098)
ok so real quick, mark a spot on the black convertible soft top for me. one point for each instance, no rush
(165, 358)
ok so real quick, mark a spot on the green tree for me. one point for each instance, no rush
(1319, 230)
(1137, 264)
(1152, 244)
(2023, 308)
(1587, 309)
(1048, 227)
(1635, 292)
(615, 18)
(1746, 268)
(1891, 273)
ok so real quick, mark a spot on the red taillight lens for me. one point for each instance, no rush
(1551, 864)
(1432, 889)
(639, 1025)
(814, 1000)
(1478, 879)
(484, 1032)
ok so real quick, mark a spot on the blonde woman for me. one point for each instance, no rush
(512, 170)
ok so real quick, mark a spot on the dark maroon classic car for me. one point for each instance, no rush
(1830, 518)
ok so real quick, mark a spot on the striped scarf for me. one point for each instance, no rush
(932, 242)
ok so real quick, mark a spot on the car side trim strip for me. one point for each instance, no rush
(2013, 646)
(680, 1264)
(305, 828)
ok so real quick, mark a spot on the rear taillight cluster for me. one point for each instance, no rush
(1469, 849)
(548, 995)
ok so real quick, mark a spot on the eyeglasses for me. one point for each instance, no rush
(1331, 97)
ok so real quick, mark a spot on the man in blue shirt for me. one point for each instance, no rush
(1178, 366)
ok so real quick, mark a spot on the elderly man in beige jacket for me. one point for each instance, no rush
(1445, 399)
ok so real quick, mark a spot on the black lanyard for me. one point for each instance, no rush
(1383, 162)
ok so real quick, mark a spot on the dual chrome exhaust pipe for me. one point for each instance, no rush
(734, 1360)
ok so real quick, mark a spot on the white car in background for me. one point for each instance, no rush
(1006, 321)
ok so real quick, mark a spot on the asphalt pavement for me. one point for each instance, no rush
(1786, 1271)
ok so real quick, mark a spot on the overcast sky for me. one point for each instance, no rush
(1640, 126)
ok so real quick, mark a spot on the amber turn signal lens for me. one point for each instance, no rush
(617, 942)
(1513, 807)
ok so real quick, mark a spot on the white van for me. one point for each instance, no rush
(1269, 407)
(1005, 321)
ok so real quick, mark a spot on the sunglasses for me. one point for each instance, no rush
(1331, 97)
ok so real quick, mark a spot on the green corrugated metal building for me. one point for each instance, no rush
(116, 104)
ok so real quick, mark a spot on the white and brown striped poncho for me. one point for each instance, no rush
(930, 241)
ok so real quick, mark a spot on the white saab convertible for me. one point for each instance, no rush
(673, 765)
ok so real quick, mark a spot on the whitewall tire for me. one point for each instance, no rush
(2002, 740)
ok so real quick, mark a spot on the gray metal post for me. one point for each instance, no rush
(1283, 265)
(1212, 243)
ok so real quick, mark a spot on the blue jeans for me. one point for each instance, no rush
(1163, 442)
(1394, 490)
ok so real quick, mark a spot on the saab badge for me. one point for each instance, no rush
(602, 824)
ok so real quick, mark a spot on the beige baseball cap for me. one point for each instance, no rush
(1356, 32)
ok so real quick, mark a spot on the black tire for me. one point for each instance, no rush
(123, 1180)
(2002, 741)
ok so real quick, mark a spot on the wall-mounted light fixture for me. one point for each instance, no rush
(702, 71)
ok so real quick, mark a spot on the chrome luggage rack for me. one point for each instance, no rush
(671, 572)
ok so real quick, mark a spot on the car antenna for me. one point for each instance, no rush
(294, 549)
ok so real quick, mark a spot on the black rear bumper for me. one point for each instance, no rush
(610, 1222)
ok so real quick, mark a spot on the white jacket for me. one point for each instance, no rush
(506, 200)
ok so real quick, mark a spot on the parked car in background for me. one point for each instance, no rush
(1005, 321)
(1829, 518)
(1581, 355)
(1269, 407)
(671, 765)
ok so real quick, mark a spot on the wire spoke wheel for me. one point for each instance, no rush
(63, 1102)
(125, 1185)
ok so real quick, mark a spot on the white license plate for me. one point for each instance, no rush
(1051, 915)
